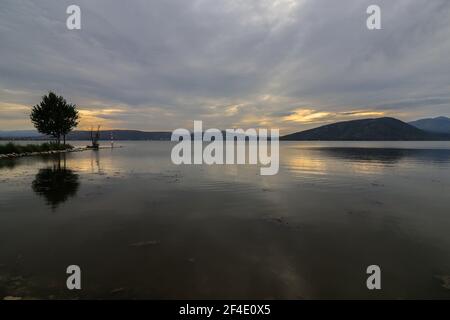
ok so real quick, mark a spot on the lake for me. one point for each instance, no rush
(141, 227)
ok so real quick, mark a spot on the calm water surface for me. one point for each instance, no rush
(141, 227)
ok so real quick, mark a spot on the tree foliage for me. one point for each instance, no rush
(54, 116)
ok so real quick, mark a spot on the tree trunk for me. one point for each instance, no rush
(64, 139)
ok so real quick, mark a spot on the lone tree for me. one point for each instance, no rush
(54, 116)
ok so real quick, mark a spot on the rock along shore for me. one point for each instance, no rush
(27, 154)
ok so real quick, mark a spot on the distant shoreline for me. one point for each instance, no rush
(282, 139)
(376, 129)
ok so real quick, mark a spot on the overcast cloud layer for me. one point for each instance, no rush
(160, 64)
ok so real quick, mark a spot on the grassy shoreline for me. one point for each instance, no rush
(11, 148)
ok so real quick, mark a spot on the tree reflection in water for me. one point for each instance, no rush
(56, 183)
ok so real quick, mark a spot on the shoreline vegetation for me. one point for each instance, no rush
(53, 117)
(11, 150)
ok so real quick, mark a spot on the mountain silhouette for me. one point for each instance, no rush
(379, 129)
(438, 125)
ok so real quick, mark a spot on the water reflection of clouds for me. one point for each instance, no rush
(305, 162)
(316, 161)
(276, 236)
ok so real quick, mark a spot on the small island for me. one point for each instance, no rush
(53, 117)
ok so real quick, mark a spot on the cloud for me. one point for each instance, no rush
(311, 116)
(164, 63)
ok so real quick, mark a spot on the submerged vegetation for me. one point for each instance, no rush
(11, 148)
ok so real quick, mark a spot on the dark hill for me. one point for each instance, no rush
(366, 130)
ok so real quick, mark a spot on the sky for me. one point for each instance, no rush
(287, 64)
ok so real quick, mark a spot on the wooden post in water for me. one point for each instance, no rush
(112, 140)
